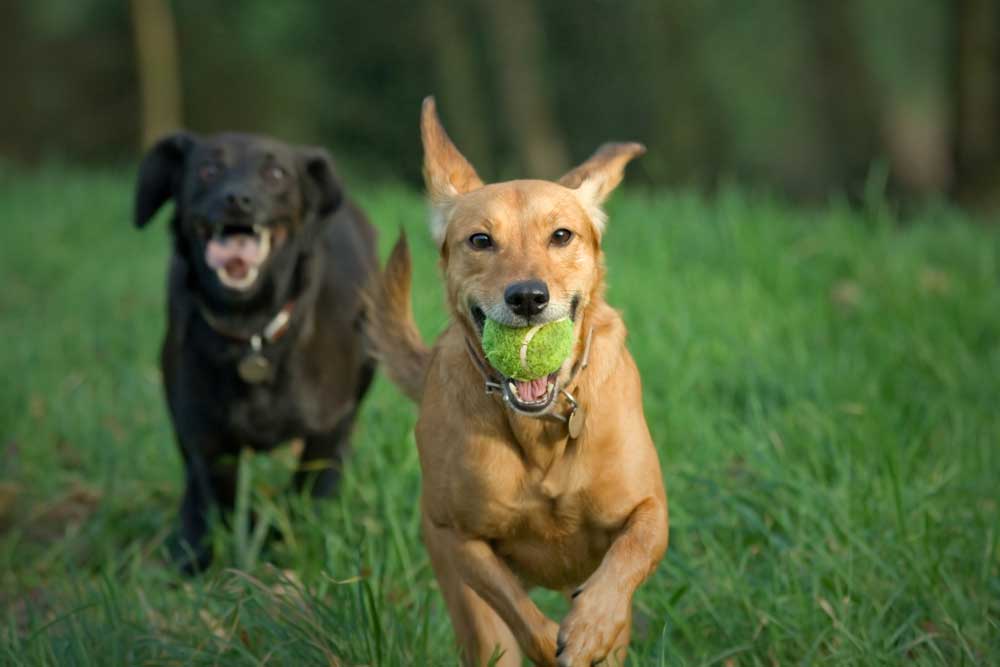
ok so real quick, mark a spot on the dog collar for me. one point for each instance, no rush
(273, 330)
(574, 417)
(255, 367)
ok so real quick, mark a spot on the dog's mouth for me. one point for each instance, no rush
(479, 317)
(236, 253)
(529, 397)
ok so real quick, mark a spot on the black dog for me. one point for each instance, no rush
(264, 340)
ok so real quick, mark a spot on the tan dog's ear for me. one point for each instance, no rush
(596, 178)
(446, 171)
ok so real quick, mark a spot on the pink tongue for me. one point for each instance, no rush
(532, 390)
(243, 247)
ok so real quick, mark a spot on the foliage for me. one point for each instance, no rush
(715, 89)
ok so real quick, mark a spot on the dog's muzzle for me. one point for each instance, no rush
(236, 253)
(529, 397)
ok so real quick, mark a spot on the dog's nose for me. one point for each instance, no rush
(527, 298)
(238, 202)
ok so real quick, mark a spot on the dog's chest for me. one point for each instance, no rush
(553, 541)
(262, 414)
(265, 413)
(544, 532)
(292, 407)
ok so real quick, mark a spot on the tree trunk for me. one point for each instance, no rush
(460, 88)
(681, 112)
(976, 98)
(158, 68)
(518, 39)
(16, 71)
(846, 96)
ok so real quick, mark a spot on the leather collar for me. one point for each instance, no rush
(273, 330)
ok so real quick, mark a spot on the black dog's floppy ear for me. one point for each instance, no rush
(160, 175)
(320, 186)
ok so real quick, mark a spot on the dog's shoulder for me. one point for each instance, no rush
(349, 242)
(608, 343)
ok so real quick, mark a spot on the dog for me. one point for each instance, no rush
(554, 484)
(263, 340)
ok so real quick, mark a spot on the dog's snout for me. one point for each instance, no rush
(527, 298)
(238, 202)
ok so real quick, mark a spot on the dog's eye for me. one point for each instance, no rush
(481, 241)
(274, 175)
(209, 171)
(561, 237)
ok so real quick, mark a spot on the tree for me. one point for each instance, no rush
(158, 68)
(517, 37)
(846, 95)
(460, 88)
(975, 78)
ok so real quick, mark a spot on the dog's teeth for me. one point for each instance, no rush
(513, 388)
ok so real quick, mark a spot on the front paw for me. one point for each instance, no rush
(190, 560)
(542, 649)
(596, 630)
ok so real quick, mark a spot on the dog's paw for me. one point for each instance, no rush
(189, 560)
(542, 650)
(596, 630)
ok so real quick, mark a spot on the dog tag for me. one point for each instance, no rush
(576, 421)
(254, 367)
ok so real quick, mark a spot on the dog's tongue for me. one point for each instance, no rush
(532, 390)
(236, 252)
(237, 268)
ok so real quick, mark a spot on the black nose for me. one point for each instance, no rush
(238, 202)
(527, 298)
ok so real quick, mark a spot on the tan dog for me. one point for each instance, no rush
(510, 500)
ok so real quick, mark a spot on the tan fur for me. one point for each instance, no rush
(391, 328)
(509, 501)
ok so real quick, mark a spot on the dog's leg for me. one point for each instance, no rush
(322, 457)
(478, 629)
(192, 552)
(480, 632)
(599, 624)
(488, 606)
(208, 483)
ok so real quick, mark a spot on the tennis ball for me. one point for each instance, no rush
(528, 353)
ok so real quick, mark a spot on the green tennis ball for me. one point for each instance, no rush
(528, 353)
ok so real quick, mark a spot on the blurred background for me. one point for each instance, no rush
(805, 98)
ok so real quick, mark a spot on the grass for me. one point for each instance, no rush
(822, 385)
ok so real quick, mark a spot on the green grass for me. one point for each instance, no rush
(822, 385)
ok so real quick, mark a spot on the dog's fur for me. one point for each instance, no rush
(509, 500)
(322, 254)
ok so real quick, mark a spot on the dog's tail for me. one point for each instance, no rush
(390, 326)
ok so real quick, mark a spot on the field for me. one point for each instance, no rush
(822, 384)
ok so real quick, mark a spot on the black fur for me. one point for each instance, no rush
(322, 367)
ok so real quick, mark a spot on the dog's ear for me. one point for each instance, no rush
(160, 175)
(596, 178)
(446, 171)
(321, 188)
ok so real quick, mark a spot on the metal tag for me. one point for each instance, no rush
(576, 421)
(254, 367)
